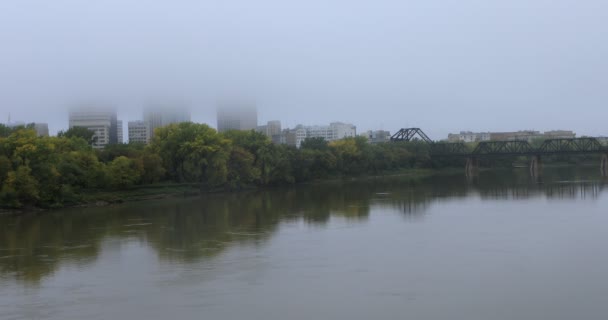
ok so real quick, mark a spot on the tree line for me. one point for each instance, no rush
(57, 171)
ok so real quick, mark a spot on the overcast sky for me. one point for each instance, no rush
(441, 65)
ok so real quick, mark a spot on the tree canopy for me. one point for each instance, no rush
(58, 171)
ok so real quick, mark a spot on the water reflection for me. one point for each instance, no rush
(190, 230)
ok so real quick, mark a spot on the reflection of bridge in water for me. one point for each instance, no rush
(484, 149)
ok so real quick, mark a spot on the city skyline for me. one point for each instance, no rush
(385, 64)
(211, 120)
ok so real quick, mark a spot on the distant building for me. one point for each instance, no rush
(271, 129)
(559, 134)
(119, 134)
(139, 132)
(334, 131)
(15, 124)
(236, 116)
(160, 115)
(42, 129)
(288, 137)
(523, 135)
(468, 136)
(377, 136)
(102, 121)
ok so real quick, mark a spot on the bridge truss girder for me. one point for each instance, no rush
(517, 147)
(408, 134)
(571, 146)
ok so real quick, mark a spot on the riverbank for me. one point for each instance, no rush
(100, 198)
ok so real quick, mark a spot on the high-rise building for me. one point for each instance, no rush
(102, 121)
(119, 131)
(139, 132)
(237, 116)
(160, 115)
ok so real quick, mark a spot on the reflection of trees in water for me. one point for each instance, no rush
(190, 230)
(33, 246)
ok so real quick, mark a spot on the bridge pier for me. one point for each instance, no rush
(472, 166)
(604, 165)
(535, 166)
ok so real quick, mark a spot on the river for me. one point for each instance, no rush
(498, 246)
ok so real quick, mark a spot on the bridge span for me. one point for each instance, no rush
(549, 147)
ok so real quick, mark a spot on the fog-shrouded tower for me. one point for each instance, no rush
(160, 115)
(236, 116)
(103, 121)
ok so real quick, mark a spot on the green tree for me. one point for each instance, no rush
(79, 132)
(316, 143)
(123, 172)
(152, 165)
(5, 131)
(20, 188)
(193, 153)
(241, 169)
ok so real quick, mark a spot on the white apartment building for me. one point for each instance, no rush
(335, 131)
(468, 136)
(139, 132)
(102, 121)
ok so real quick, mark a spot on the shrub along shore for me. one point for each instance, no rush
(185, 158)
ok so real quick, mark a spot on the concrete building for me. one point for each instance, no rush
(335, 131)
(468, 136)
(288, 137)
(119, 134)
(560, 134)
(523, 135)
(42, 129)
(237, 116)
(377, 136)
(160, 115)
(102, 121)
(271, 129)
(15, 124)
(139, 132)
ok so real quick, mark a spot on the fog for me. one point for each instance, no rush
(441, 65)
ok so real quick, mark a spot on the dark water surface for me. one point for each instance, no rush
(501, 246)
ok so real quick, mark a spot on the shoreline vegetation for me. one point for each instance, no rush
(185, 158)
(39, 173)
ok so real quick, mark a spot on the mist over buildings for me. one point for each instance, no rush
(444, 66)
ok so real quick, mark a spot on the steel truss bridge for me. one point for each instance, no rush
(573, 146)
